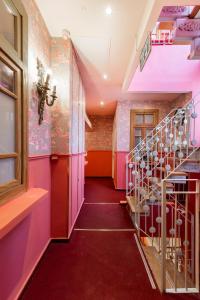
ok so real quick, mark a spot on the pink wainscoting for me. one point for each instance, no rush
(77, 163)
(23, 246)
(120, 170)
(59, 196)
(40, 172)
(67, 193)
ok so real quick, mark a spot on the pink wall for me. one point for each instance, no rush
(120, 170)
(167, 70)
(22, 247)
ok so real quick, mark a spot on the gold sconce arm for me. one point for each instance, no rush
(43, 91)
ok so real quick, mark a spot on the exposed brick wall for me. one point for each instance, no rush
(100, 136)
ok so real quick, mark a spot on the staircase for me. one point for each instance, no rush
(164, 200)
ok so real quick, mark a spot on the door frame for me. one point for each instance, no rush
(133, 112)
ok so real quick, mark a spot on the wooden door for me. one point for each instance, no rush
(142, 123)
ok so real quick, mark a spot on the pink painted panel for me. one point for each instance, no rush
(120, 170)
(81, 180)
(39, 170)
(60, 197)
(76, 187)
(21, 248)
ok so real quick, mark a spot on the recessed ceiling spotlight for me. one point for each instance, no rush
(105, 76)
(108, 10)
(101, 103)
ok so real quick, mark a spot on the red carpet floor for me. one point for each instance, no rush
(102, 190)
(112, 216)
(95, 265)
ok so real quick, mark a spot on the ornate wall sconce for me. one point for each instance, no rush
(43, 91)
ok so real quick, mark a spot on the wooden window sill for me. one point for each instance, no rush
(13, 212)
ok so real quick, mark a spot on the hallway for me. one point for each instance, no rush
(95, 264)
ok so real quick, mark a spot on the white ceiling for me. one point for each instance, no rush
(106, 44)
(103, 43)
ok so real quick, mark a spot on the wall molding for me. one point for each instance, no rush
(40, 156)
(45, 156)
(101, 150)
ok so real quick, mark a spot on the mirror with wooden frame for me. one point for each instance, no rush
(13, 97)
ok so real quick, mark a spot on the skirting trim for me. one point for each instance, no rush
(101, 203)
(103, 229)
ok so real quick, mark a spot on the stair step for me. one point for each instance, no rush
(169, 185)
(132, 204)
(178, 173)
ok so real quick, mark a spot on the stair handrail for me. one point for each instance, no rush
(166, 122)
(141, 143)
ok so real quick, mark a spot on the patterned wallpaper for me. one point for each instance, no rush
(63, 124)
(60, 112)
(68, 115)
(38, 46)
(100, 136)
(123, 116)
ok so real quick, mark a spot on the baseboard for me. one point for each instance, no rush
(70, 232)
(59, 240)
(31, 272)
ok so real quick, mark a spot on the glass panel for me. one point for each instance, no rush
(7, 170)
(138, 132)
(7, 124)
(7, 77)
(7, 24)
(148, 119)
(149, 131)
(138, 139)
(139, 119)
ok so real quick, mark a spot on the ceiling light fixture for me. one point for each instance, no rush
(101, 103)
(105, 76)
(109, 11)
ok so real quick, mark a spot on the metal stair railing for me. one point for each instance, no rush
(149, 168)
